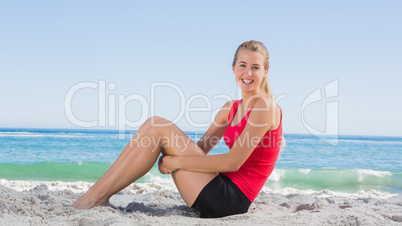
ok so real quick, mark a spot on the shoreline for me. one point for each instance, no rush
(341, 180)
(49, 202)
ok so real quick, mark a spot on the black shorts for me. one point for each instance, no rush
(220, 198)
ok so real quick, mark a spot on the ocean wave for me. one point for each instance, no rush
(43, 135)
(160, 179)
(350, 180)
(341, 140)
(328, 193)
(366, 141)
(343, 180)
(305, 171)
(364, 173)
(16, 132)
(277, 174)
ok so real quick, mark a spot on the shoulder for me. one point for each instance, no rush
(223, 114)
(266, 111)
(266, 104)
(228, 105)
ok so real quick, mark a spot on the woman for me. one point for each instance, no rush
(217, 185)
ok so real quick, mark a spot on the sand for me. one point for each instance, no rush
(49, 203)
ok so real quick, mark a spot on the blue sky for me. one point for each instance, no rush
(48, 47)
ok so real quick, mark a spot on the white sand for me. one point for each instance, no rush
(48, 203)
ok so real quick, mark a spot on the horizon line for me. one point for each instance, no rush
(132, 130)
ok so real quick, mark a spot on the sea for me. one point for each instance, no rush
(337, 163)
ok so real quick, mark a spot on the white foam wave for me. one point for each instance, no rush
(81, 186)
(366, 172)
(21, 132)
(340, 140)
(327, 193)
(367, 141)
(20, 185)
(304, 171)
(151, 178)
(43, 135)
(277, 174)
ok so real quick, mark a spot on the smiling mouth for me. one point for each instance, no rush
(247, 81)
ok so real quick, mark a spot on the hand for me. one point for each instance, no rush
(169, 162)
(162, 168)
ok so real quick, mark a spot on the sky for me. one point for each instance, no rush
(334, 65)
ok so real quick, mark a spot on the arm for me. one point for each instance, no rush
(261, 119)
(215, 132)
(213, 135)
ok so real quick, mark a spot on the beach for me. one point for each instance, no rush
(43, 171)
(49, 203)
(80, 79)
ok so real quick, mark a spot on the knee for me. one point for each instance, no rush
(148, 124)
(153, 119)
(156, 124)
(157, 121)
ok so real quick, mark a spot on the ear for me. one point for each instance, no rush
(233, 68)
(266, 72)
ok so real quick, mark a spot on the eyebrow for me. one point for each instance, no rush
(246, 63)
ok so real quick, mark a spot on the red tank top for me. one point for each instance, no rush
(254, 172)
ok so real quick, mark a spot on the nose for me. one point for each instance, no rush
(248, 71)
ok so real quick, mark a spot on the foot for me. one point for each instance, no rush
(88, 201)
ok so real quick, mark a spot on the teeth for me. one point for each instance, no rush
(247, 81)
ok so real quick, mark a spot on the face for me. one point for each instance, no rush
(249, 71)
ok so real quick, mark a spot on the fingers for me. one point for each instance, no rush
(168, 171)
(164, 170)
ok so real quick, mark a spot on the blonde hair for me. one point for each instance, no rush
(258, 47)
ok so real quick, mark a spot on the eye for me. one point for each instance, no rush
(242, 65)
(256, 68)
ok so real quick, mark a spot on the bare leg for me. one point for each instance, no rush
(125, 151)
(130, 144)
(139, 159)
